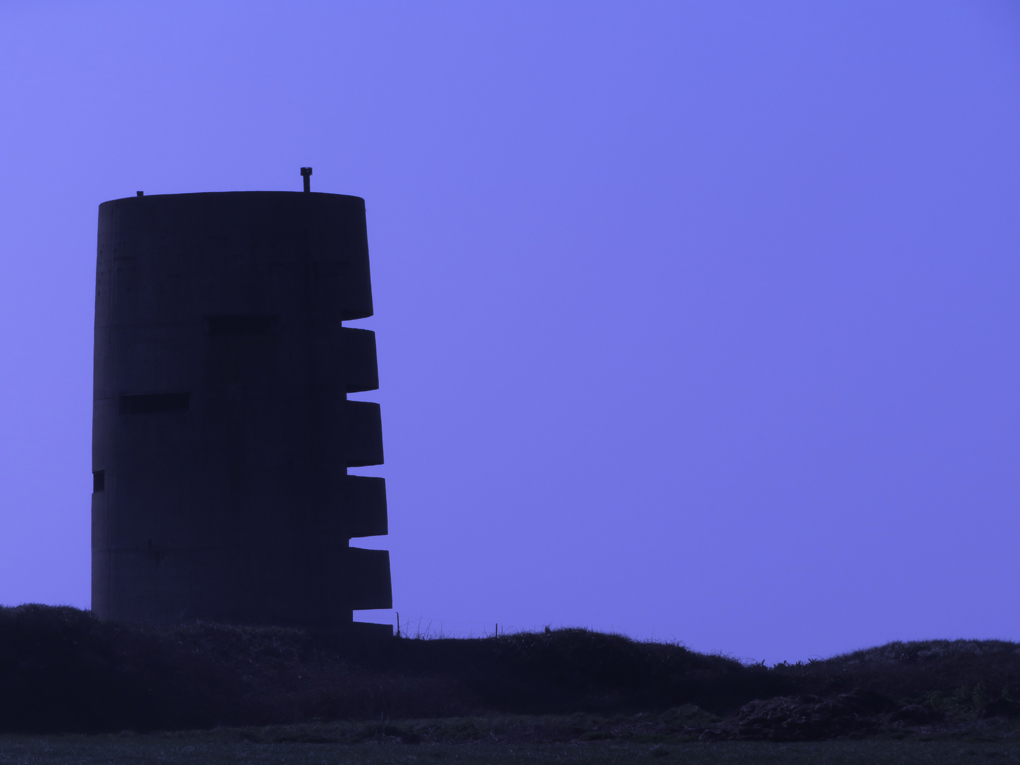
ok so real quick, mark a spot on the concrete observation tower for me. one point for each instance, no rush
(222, 432)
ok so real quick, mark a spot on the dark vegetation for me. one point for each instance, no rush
(61, 670)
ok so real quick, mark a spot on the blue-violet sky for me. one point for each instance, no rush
(697, 321)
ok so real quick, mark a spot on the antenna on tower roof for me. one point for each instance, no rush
(306, 173)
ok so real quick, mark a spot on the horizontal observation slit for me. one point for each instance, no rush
(147, 403)
(241, 325)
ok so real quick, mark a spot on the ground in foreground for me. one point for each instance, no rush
(498, 740)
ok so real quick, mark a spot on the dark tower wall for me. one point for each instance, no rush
(221, 427)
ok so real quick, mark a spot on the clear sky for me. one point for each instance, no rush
(697, 321)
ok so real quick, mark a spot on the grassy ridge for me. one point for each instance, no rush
(61, 670)
(930, 670)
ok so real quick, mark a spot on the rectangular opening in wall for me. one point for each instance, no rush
(148, 403)
(241, 325)
(98, 480)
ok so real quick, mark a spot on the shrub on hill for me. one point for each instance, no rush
(63, 670)
(948, 675)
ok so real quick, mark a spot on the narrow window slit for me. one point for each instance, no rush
(148, 403)
(239, 325)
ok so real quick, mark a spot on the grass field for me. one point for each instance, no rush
(308, 746)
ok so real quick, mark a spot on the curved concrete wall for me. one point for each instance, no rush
(221, 427)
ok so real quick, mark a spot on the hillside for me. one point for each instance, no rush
(61, 670)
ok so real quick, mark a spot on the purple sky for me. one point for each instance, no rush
(696, 321)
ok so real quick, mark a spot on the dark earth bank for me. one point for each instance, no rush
(63, 671)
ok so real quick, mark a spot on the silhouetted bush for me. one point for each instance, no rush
(63, 670)
(580, 670)
(959, 676)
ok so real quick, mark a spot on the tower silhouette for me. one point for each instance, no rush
(222, 432)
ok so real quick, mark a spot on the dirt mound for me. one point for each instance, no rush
(810, 718)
